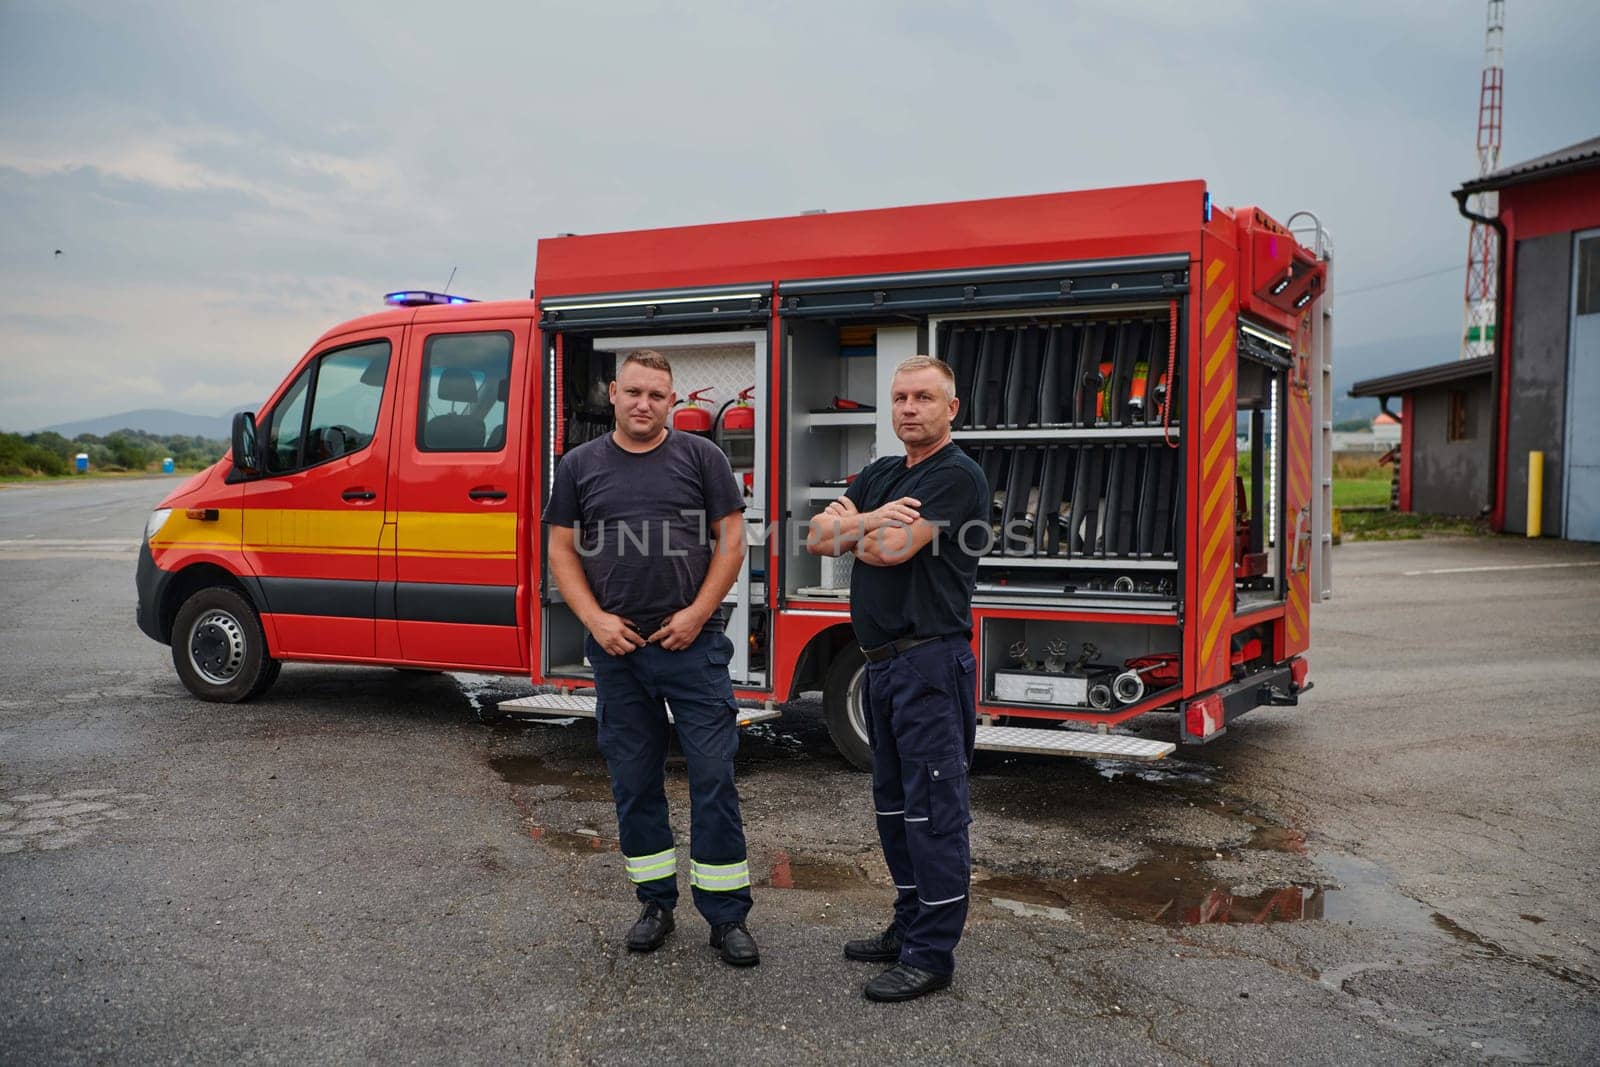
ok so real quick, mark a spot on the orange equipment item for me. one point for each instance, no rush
(1136, 388)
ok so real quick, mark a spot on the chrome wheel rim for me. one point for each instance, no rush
(217, 647)
(856, 704)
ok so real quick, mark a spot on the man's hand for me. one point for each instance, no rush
(679, 630)
(615, 634)
(902, 512)
(842, 508)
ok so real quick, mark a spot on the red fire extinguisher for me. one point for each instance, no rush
(737, 415)
(691, 417)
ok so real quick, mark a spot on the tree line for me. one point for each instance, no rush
(50, 454)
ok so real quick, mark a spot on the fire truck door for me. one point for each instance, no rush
(457, 494)
(313, 521)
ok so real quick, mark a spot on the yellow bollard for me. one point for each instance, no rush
(1338, 526)
(1535, 494)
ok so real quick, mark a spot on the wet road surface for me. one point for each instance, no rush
(370, 864)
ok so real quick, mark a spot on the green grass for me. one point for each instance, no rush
(1360, 492)
(1395, 526)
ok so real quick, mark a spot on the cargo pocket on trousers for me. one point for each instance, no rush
(947, 795)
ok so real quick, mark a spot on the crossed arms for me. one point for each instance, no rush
(883, 537)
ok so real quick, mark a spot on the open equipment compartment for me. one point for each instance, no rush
(586, 340)
(1264, 362)
(831, 417)
(1083, 456)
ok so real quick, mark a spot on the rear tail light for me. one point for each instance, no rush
(1203, 717)
(1298, 671)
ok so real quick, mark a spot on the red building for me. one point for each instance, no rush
(1542, 387)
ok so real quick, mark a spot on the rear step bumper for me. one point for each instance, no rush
(581, 706)
(1071, 743)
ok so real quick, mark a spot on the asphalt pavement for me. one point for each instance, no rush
(370, 865)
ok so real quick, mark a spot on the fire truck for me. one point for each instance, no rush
(1143, 378)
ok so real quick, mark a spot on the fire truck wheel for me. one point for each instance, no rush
(219, 649)
(845, 706)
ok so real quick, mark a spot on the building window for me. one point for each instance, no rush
(1589, 276)
(1458, 429)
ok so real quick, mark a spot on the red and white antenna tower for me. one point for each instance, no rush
(1477, 336)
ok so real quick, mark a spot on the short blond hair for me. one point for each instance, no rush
(647, 357)
(920, 362)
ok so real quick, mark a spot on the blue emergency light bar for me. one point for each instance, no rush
(411, 298)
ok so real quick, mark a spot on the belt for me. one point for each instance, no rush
(894, 648)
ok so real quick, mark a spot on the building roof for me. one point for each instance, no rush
(1580, 156)
(1439, 374)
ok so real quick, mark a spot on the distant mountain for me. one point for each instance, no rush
(1375, 359)
(155, 421)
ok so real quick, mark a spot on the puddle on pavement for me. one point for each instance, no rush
(579, 842)
(1171, 887)
(533, 771)
(1165, 770)
(789, 871)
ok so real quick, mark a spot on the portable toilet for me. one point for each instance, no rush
(166, 465)
(82, 463)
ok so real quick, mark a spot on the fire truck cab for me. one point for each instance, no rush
(1112, 350)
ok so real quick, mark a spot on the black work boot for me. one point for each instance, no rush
(885, 948)
(904, 982)
(735, 945)
(651, 930)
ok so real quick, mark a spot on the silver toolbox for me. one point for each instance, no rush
(1041, 687)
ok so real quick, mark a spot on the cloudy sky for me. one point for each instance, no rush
(225, 180)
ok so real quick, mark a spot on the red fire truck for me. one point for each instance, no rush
(1143, 378)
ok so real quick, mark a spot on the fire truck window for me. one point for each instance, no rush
(465, 385)
(284, 426)
(349, 393)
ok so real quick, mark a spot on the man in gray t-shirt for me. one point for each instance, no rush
(646, 538)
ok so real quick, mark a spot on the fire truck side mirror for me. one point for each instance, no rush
(245, 456)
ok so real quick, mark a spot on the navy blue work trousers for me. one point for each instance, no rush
(633, 692)
(921, 721)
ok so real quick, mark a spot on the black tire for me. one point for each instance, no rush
(844, 706)
(268, 676)
(219, 648)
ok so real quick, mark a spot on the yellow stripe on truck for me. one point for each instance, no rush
(443, 533)
(423, 534)
(288, 529)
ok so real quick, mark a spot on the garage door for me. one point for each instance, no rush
(1583, 395)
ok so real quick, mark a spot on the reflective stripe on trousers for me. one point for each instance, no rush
(649, 868)
(719, 877)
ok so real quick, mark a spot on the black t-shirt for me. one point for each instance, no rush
(929, 595)
(645, 520)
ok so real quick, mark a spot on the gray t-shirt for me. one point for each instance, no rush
(645, 520)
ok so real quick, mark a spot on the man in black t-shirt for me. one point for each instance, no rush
(916, 525)
(629, 518)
